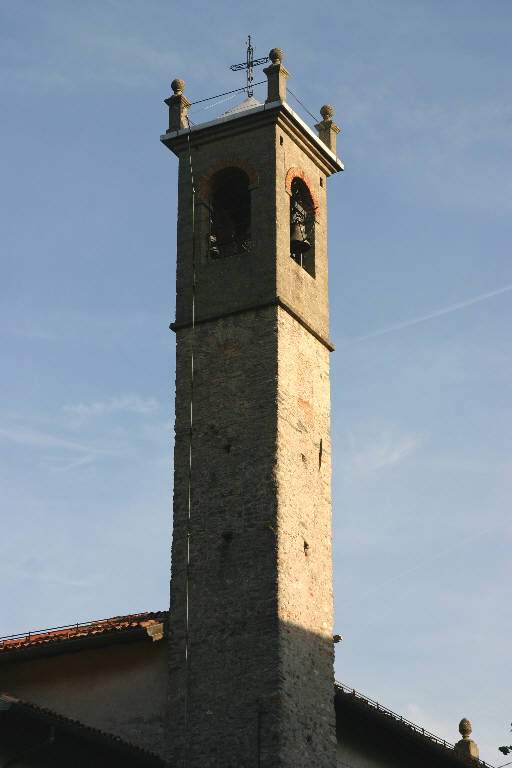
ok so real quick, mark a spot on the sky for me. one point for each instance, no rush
(420, 291)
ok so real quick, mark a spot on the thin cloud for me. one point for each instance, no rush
(129, 61)
(35, 572)
(62, 453)
(37, 439)
(384, 449)
(431, 315)
(65, 467)
(426, 563)
(128, 403)
(44, 441)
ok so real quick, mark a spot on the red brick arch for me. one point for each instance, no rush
(228, 162)
(294, 173)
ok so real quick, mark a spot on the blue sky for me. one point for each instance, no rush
(420, 287)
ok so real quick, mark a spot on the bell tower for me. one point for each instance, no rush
(251, 623)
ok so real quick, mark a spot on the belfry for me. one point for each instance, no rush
(251, 620)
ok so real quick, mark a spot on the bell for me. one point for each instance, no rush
(298, 240)
(214, 248)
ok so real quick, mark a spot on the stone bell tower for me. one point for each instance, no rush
(251, 624)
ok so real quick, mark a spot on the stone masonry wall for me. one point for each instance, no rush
(260, 689)
(306, 295)
(257, 691)
(244, 280)
(305, 599)
(233, 619)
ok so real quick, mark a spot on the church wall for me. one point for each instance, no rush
(243, 280)
(366, 755)
(118, 688)
(367, 738)
(384, 750)
(233, 625)
(305, 294)
(305, 563)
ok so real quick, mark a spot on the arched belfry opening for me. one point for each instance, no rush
(302, 226)
(230, 214)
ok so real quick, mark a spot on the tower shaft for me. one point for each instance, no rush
(251, 651)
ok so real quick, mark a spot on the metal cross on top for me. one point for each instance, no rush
(248, 65)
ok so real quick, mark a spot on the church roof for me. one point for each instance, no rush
(28, 710)
(348, 700)
(251, 108)
(70, 637)
(247, 103)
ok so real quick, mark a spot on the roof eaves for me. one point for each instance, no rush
(104, 631)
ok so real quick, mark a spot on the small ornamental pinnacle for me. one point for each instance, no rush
(277, 75)
(276, 56)
(178, 106)
(465, 728)
(327, 111)
(178, 86)
(466, 746)
(327, 129)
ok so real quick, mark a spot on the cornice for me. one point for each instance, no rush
(276, 113)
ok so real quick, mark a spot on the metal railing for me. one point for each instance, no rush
(113, 622)
(400, 719)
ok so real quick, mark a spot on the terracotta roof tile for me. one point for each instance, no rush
(47, 637)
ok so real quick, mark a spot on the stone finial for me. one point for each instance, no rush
(466, 746)
(277, 75)
(178, 86)
(178, 106)
(327, 129)
(276, 55)
(327, 111)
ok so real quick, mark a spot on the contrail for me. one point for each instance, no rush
(423, 564)
(431, 315)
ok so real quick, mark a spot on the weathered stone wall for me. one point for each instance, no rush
(233, 670)
(244, 280)
(257, 689)
(305, 294)
(305, 561)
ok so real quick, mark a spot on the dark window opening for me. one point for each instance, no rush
(302, 226)
(230, 214)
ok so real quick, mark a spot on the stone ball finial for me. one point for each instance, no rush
(465, 728)
(327, 111)
(276, 55)
(178, 86)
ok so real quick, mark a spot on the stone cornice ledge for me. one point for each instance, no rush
(177, 140)
(276, 302)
